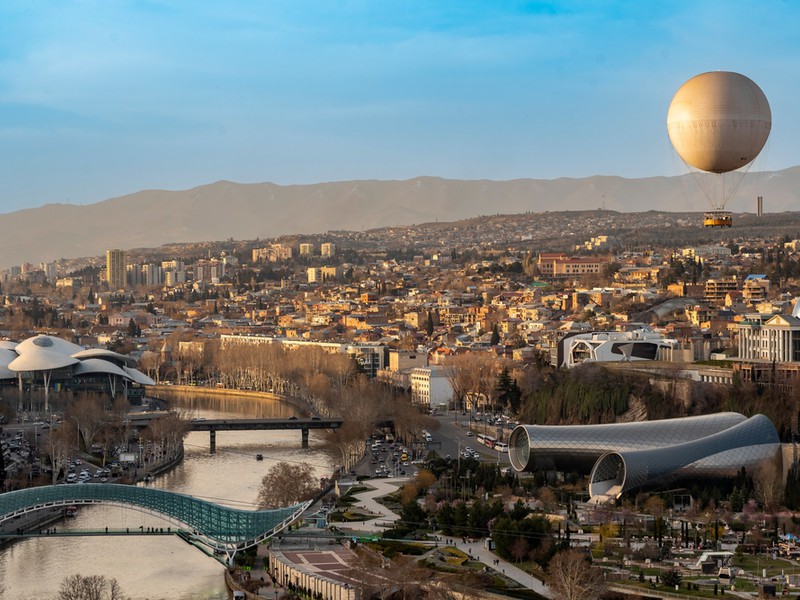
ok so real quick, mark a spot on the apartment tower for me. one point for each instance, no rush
(115, 269)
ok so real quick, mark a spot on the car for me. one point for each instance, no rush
(469, 434)
(292, 418)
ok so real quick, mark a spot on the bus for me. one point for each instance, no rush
(486, 440)
(501, 446)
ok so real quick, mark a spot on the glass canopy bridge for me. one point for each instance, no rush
(219, 528)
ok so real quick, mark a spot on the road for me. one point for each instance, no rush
(457, 431)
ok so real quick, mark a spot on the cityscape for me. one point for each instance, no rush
(399, 301)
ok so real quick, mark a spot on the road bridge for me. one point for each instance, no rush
(304, 425)
(215, 425)
(216, 527)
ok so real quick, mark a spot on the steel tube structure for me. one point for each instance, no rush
(623, 456)
(575, 448)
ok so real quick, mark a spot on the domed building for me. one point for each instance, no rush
(54, 364)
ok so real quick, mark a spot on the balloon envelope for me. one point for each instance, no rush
(719, 121)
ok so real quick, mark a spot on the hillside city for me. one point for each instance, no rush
(497, 320)
(479, 285)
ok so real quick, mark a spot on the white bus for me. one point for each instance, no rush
(501, 446)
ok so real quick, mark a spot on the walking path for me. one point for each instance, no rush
(367, 501)
(476, 549)
(383, 519)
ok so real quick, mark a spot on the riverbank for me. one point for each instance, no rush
(170, 392)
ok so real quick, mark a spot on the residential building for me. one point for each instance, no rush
(115, 269)
(717, 289)
(431, 386)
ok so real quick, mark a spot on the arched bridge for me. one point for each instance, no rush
(217, 527)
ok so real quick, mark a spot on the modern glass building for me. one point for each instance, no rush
(625, 456)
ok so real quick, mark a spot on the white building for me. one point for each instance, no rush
(771, 338)
(613, 346)
(431, 386)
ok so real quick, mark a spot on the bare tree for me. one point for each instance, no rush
(88, 411)
(58, 448)
(571, 577)
(91, 587)
(768, 485)
(286, 484)
(519, 548)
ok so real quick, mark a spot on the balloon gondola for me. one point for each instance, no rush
(718, 122)
(718, 218)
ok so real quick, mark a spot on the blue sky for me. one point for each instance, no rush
(100, 98)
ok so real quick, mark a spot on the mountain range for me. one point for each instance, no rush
(224, 209)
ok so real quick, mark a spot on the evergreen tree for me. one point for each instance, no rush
(791, 496)
(495, 336)
(429, 325)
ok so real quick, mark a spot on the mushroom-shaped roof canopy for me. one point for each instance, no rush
(8, 344)
(6, 356)
(138, 377)
(41, 359)
(49, 343)
(92, 366)
(104, 354)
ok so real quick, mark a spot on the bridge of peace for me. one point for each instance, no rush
(218, 528)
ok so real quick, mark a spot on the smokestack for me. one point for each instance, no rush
(760, 206)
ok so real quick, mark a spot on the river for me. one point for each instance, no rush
(164, 566)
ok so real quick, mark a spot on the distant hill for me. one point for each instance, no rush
(224, 210)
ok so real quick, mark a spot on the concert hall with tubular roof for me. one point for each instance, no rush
(619, 457)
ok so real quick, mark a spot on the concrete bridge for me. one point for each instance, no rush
(215, 425)
(304, 425)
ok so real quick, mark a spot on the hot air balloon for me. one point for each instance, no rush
(718, 122)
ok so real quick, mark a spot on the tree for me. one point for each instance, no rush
(571, 577)
(286, 484)
(88, 411)
(671, 577)
(92, 587)
(768, 485)
(495, 336)
(429, 325)
(133, 329)
(59, 447)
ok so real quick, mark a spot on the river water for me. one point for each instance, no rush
(164, 566)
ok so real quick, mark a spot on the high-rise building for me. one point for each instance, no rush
(328, 250)
(115, 269)
(306, 249)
